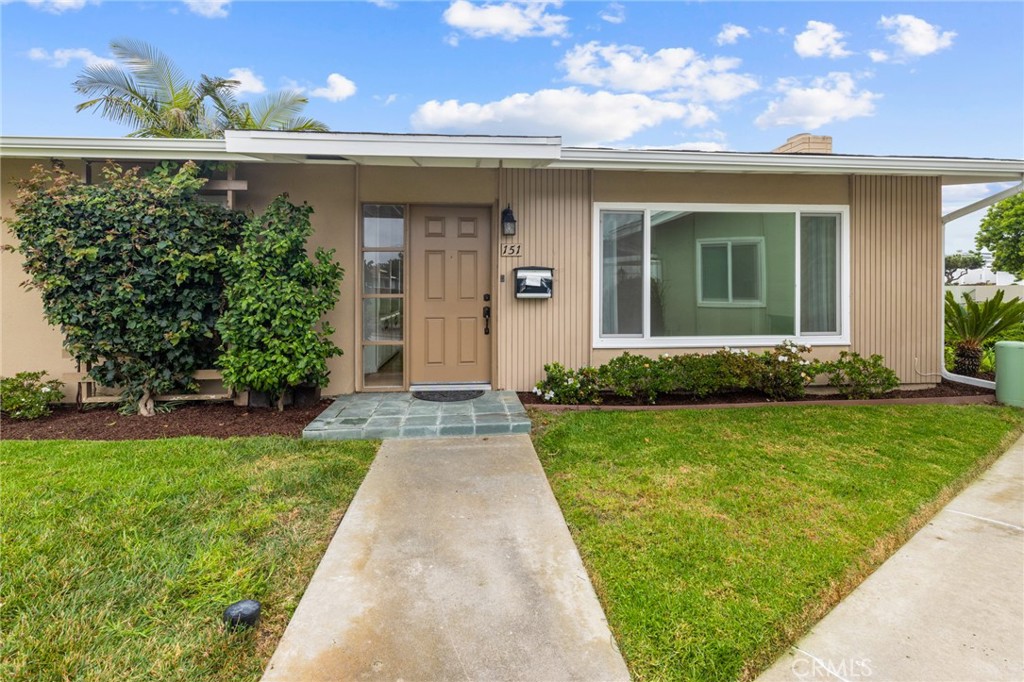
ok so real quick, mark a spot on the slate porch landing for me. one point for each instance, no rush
(400, 415)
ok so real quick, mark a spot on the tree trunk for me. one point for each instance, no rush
(146, 408)
(967, 361)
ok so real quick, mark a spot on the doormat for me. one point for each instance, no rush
(446, 396)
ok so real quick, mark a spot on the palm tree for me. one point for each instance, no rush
(154, 96)
(972, 325)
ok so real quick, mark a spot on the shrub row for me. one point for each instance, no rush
(781, 373)
(27, 395)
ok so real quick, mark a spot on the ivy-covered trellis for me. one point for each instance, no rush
(130, 270)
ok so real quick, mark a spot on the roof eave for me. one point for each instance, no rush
(118, 148)
(952, 170)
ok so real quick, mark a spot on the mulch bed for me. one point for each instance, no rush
(947, 391)
(224, 420)
(215, 420)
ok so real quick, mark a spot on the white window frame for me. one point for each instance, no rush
(840, 338)
(731, 302)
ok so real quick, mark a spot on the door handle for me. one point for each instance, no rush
(487, 320)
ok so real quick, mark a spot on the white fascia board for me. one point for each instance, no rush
(117, 148)
(982, 170)
(371, 146)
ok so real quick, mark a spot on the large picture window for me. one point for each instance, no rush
(700, 275)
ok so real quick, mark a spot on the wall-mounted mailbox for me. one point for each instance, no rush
(534, 282)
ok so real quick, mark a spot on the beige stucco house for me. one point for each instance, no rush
(648, 251)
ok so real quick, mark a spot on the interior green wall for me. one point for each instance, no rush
(675, 243)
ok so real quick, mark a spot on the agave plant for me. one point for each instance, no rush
(972, 324)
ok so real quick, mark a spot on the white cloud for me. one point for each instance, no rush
(915, 37)
(338, 88)
(614, 13)
(679, 72)
(580, 117)
(507, 20)
(878, 56)
(248, 82)
(730, 33)
(821, 39)
(211, 9)
(58, 6)
(830, 98)
(61, 57)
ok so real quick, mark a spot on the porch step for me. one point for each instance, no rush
(400, 415)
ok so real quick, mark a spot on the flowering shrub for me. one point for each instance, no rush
(783, 373)
(27, 396)
(723, 371)
(637, 377)
(568, 386)
(858, 377)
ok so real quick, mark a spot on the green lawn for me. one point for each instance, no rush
(118, 558)
(715, 538)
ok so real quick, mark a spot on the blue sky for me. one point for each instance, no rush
(881, 78)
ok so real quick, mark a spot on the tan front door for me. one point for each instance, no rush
(451, 278)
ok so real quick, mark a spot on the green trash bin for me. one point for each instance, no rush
(1010, 373)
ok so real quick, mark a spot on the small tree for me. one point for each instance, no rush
(958, 264)
(1002, 233)
(972, 325)
(129, 270)
(276, 296)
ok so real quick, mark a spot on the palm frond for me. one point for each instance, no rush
(154, 70)
(305, 124)
(274, 110)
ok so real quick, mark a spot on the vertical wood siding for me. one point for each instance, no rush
(553, 210)
(896, 278)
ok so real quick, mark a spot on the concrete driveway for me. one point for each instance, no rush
(949, 605)
(452, 563)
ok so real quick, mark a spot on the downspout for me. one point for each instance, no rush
(949, 217)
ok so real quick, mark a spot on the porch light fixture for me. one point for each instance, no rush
(508, 222)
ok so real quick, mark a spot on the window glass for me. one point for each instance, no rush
(382, 272)
(382, 319)
(721, 274)
(819, 274)
(622, 249)
(383, 225)
(745, 271)
(714, 272)
(382, 366)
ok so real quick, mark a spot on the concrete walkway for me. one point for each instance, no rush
(949, 605)
(452, 563)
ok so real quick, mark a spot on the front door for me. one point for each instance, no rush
(451, 280)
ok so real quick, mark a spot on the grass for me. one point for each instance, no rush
(716, 538)
(118, 558)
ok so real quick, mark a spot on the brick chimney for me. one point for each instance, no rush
(805, 143)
